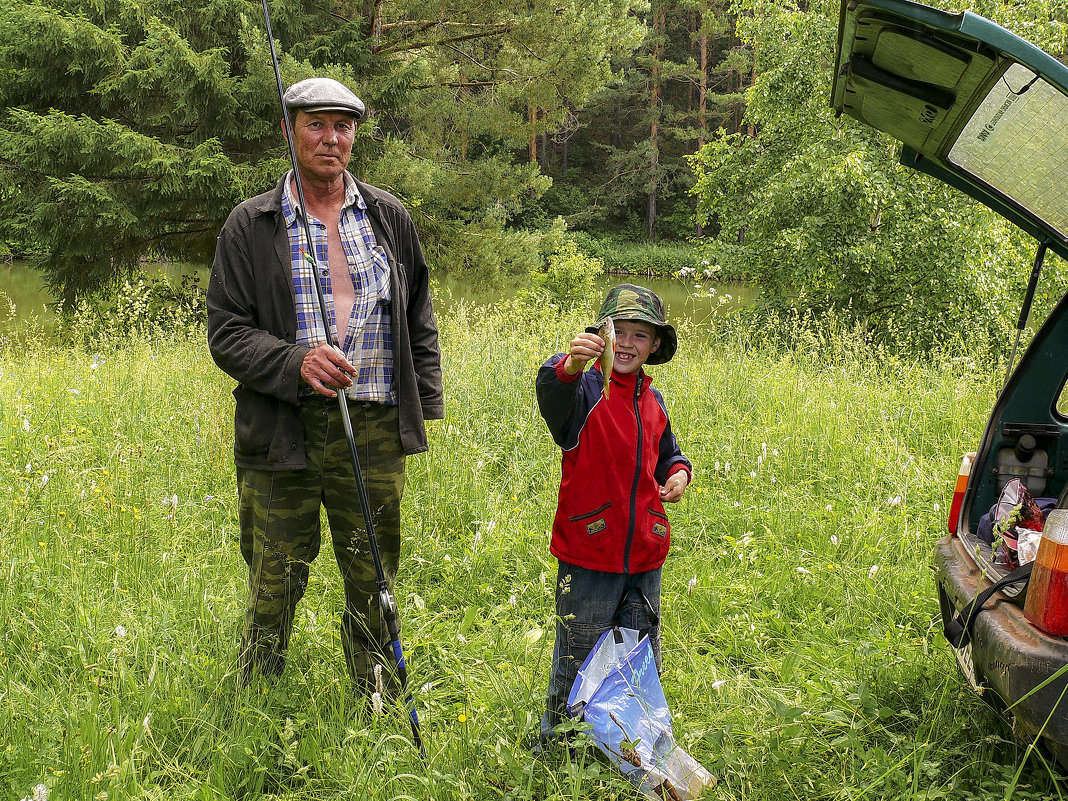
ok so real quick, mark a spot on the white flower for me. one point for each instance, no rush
(775, 452)
(830, 508)
(773, 479)
(144, 723)
(447, 558)
(379, 686)
(44, 480)
(120, 632)
(692, 584)
(760, 461)
(717, 466)
(376, 704)
(727, 467)
(834, 540)
(764, 450)
(895, 501)
(937, 507)
(872, 571)
(752, 473)
(29, 467)
(25, 424)
(40, 792)
(512, 601)
(718, 683)
(461, 639)
(804, 571)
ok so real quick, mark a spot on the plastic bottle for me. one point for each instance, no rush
(1047, 592)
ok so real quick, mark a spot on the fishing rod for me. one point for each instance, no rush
(385, 597)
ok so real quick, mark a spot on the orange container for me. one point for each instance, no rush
(958, 491)
(1047, 592)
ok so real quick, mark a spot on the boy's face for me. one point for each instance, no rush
(635, 340)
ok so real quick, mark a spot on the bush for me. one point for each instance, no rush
(146, 309)
(629, 258)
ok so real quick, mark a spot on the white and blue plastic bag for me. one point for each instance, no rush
(618, 692)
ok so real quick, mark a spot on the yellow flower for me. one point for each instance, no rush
(462, 718)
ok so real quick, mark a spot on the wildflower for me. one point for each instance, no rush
(775, 452)
(376, 704)
(804, 571)
(717, 467)
(462, 718)
(25, 424)
(764, 450)
(872, 571)
(690, 587)
(120, 632)
(144, 723)
(209, 498)
(44, 480)
(760, 462)
(718, 683)
(512, 601)
(895, 501)
(834, 540)
(379, 686)
(461, 639)
(97, 361)
(830, 508)
(937, 507)
(727, 467)
(752, 473)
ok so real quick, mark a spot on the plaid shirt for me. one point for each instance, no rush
(368, 343)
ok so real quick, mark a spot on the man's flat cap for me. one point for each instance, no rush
(324, 94)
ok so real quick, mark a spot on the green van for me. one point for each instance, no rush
(986, 112)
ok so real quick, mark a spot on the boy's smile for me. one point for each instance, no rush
(635, 340)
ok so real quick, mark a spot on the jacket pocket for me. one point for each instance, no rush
(659, 525)
(594, 521)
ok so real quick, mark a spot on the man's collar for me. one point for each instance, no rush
(289, 196)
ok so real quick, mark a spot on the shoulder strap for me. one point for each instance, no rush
(959, 630)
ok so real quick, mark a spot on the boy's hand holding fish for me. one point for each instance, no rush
(584, 349)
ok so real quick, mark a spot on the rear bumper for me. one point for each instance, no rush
(1008, 657)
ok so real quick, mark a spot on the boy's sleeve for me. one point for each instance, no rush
(670, 458)
(561, 401)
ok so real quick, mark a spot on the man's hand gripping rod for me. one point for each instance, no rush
(385, 597)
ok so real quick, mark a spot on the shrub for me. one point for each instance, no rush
(147, 309)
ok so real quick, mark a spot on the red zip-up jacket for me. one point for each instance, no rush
(617, 454)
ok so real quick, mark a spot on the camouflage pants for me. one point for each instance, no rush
(279, 514)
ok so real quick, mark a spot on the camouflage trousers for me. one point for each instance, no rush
(279, 514)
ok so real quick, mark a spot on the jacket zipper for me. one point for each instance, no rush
(634, 486)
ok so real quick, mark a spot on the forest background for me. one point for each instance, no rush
(688, 137)
(804, 656)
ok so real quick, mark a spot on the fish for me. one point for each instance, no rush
(607, 332)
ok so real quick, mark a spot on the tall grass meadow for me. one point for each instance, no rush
(802, 651)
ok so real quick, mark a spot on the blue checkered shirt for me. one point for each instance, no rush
(368, 342)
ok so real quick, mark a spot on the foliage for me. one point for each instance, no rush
(164, 116)
(144, 308)
(799, 649)
(826, 221)
(663, 260)
(567, 281)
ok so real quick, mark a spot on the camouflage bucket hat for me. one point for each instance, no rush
(630, 302)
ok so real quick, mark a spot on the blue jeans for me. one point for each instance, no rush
(589, 603)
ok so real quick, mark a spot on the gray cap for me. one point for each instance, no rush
(323, 94)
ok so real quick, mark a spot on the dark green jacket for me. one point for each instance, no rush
(252, 327)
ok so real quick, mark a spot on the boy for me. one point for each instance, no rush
(620, 464)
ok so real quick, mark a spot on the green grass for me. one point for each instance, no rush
(805, 662)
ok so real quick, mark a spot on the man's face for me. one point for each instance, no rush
(323, 141)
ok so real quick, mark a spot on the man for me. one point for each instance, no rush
(265, 330)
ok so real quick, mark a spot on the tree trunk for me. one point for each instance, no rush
(702, 100)
(533, 148)
(655, 97)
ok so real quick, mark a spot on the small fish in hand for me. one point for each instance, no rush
(607, 332)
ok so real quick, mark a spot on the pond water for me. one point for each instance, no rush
(26, 289)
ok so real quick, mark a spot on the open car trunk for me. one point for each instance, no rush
(986, 112)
